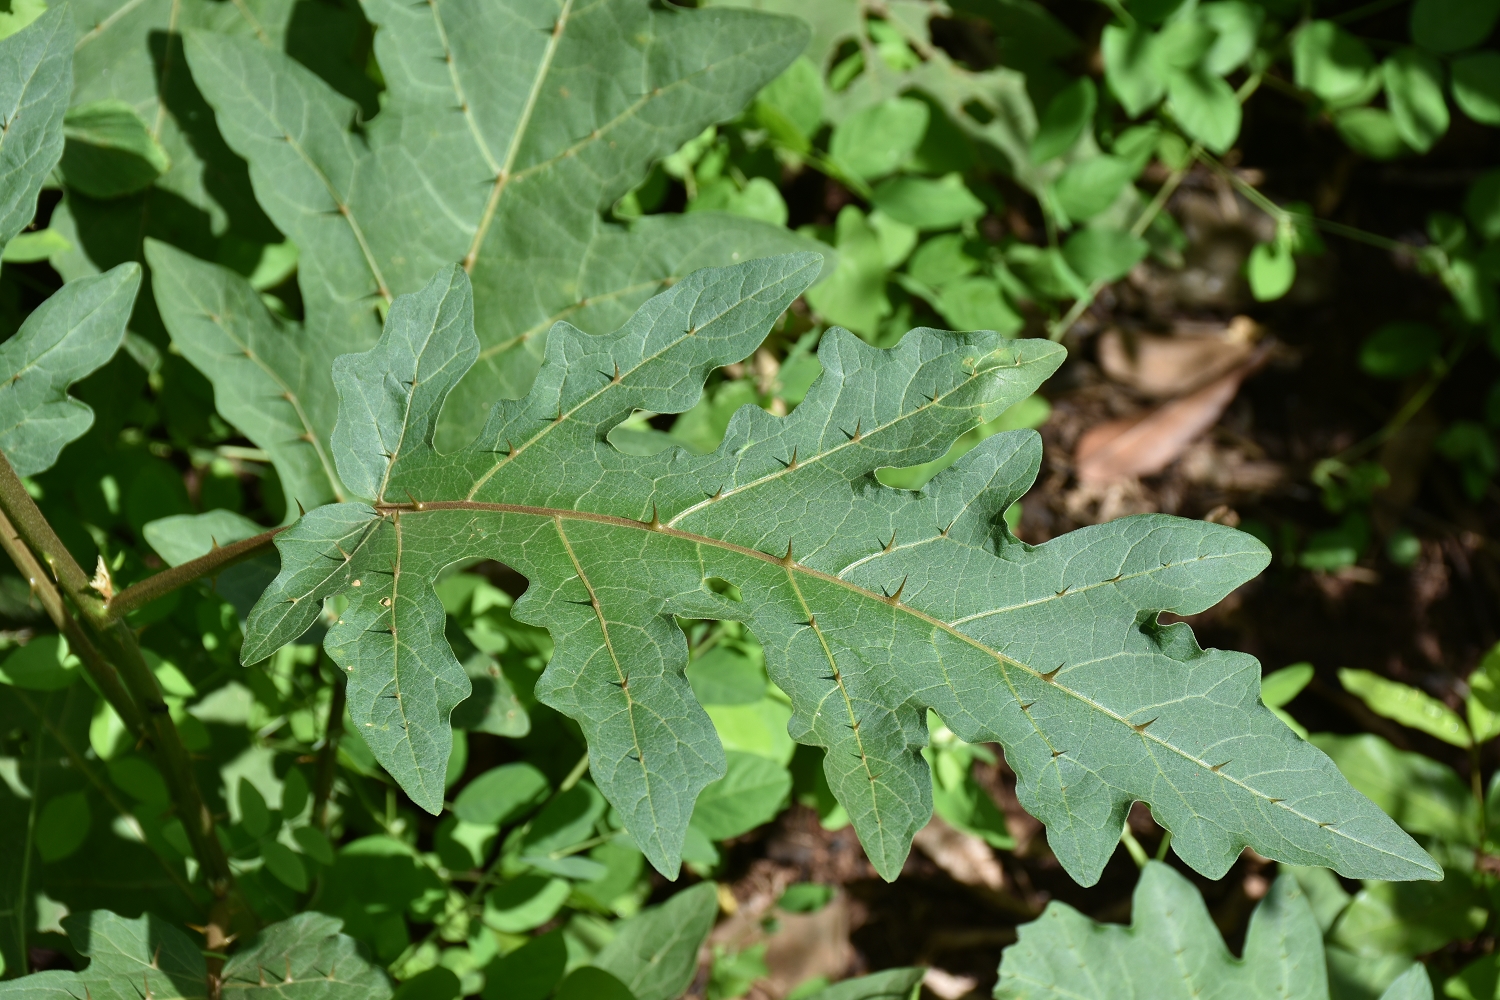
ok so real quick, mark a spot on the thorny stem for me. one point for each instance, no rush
(102, 674)
(140, 594)
(116, 643)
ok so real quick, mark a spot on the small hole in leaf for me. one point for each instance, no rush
(723, 588)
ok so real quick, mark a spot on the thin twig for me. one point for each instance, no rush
(138, 595)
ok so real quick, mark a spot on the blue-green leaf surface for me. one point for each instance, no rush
(873, 604)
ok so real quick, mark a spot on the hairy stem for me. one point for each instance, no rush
(100, 671)
(140, 594)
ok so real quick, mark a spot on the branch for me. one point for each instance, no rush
(138, 595)
(117, 643)
(33, 529)
(103, 674)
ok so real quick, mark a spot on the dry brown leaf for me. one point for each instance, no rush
(1146, 444)
(964, 856)
(1195, 355)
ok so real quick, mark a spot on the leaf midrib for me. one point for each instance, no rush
(624, 522)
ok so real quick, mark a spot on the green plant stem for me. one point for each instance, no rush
(1137, 852)
(103, 675)
(1166, 843)
(117, 643)
(140, 594)
(328, 754)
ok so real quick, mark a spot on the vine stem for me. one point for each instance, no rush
(116, 642)
(328, 754)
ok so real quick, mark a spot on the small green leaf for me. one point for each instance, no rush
(1411, 918)
(1271, 270)
(1400, 349)
(1067, 115)
(567, 819)
(1103, 254)
(1414, 91)
(110, 150)
(139, 780)
(875, 141)
(314, 844)
(185, 537)
(1206, 108)
(1281, 686)
(854, 295)
(1129, 68)
(750, 793)
(34, 246)
(1170, 949)
(1476, 86)
(435, 984)
(305, 956)
(67, 337)
(655, 953)
(63, 826)
(1372, 132)
(590, 983)
(1406, 705)
(38, 63)
(1236, 25)
(1423, 795)
(284, 864)
(523, 903)
(502, 795)
(797, 98)
(1413, 984)
(805, 897)
(43, 664)
(888, 984)
(976, 303)
(529, 972)
(255, 815)
(1329, 61)
(1088, 187)
(1182, 45)
(1452, 25)
(928, 204)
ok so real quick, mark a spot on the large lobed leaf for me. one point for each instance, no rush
(508, 130)
(1173, 950)
(873, 604)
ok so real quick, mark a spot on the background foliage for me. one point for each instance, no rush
(1190, 196)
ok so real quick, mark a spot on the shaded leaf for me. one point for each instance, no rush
(127, 960)
(656, 952)
(1406, 705)
(110, 150)
(67, 337)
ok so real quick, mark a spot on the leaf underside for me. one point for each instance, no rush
(872, 604)
(507, 131)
